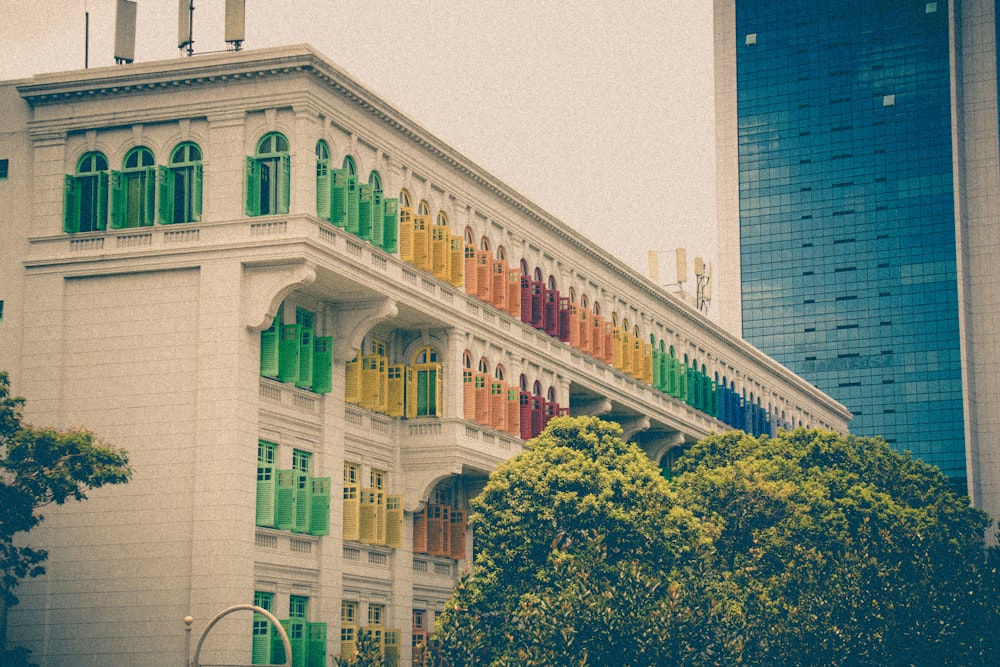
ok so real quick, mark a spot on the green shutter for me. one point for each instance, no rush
(303, 503)
(316, 645)
(657, 379)
(284, 500)
(319, 506)
(284, 182)
(305, 379)
(323, 189)
(71, 204)
(196, 179)
(103, 180)
(265, 494)
(261, 652)
(277, 646)
(165, 185)
(119, 197)
(269, 350)
(252, 205)
(390, 231)
(322, 364)
(378, 219)
(338, 197)
(149, 185)
(288, 353)
(365, 211)
(352, 204)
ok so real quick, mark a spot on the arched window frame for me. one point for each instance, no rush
(427, 381)
(268, 177)
(179, 185)
(133, 190)
(85, 195)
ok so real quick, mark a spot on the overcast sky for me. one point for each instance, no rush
(600, 112)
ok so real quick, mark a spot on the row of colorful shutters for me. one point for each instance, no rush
(396, 390)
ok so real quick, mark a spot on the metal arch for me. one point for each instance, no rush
(240, 607)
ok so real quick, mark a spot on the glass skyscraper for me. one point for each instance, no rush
(859, 189)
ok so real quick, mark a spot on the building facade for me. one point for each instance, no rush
(858, 183)
(316, 328)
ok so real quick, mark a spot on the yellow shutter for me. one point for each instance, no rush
(352, 513)
(618, 358)
(380, 517)
(406, 234)
(411, 393)
(369, 516)
(352, 380)
(457, 261)
(396, 390)
(441, 252)
(394, 521)
(421, 242)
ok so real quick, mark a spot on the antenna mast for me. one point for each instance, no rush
(185, 25)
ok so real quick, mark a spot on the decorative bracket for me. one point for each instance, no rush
(594, 407)
(353, 320)
(265, 286)
(657, 445)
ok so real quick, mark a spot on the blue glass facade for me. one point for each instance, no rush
(847, 227)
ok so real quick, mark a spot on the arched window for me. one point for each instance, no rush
(551, 395)
(552, 282)
(500, 253)
(498, 372)
(524, 267)
(524, 382)
(484, 366)
(469, 237)
(536, 388)
(484, 244)
(427, 371)
(180, 186)
(404, 200)
(85, 195)
(597, 308)
(572, 295)
(133, 190)
(538, 274)
(268, 174)
(423, 208)
(441, 220)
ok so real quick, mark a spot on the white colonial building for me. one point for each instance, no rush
(316, 328)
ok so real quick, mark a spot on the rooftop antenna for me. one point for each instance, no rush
(185, 25)
(86, 37)
(703, 289)
(125, 32)
(235, 23)
(654, 267)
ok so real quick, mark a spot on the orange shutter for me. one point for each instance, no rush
(499, 286)
(471, 285)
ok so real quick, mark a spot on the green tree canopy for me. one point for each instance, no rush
(844, 551)
(584, 558)
(38, 467)
(808, 548)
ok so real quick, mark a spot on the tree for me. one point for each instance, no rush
(584, 558)
(39, 467)
(844, 551)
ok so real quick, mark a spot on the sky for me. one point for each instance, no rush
(601, 112)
